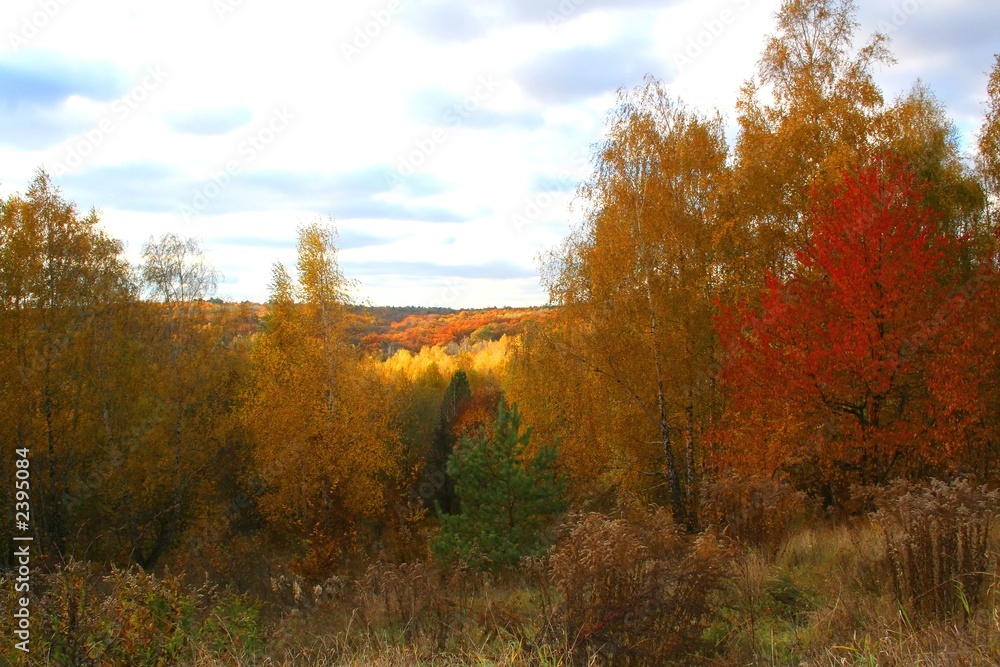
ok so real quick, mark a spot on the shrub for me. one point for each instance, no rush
(123, 617)
(937, 543)
(634, 592)
(754, 511)
(419, 598)
(129, 617)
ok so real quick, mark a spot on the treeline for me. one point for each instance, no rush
(412, 329)
(167, 429)
(816, 303)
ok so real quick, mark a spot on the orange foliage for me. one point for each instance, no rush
(420, 330)
(479, 413)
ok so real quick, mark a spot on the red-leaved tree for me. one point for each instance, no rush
(829, 380)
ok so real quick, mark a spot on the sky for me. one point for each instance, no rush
(444, 139)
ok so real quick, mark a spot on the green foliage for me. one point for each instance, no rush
(128, 617)
(989, 134)
(233, 629)
(491, 331)
(503, 498)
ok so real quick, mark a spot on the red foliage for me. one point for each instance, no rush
(477, 414)
(830, 377)
(442, 328)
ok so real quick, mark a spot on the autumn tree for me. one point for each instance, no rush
(810, 113)
(325, 446)
(813, 111)
(166, 472)
(978, 323)
(917, 130)
(175, 271)
(989, 137)
(634, 288)
(829, 379)
(63, 283)
(121, 401)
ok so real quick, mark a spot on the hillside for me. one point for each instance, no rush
(390, 329)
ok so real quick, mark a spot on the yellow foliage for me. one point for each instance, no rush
(325, 444)
(482, 360)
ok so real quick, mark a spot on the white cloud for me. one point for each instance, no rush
(357, 118)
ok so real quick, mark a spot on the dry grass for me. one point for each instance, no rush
(616, 589)
(634, 592)
(754, 511)
(937, 539)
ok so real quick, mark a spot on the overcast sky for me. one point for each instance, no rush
(445, 138)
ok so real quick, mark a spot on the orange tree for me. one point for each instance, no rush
(325, 446)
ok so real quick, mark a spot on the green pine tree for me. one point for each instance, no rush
(504, 499)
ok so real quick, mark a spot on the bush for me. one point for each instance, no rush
(937, 543)
(421, 599)
(634, 592)
(129, 617)
(754, 511)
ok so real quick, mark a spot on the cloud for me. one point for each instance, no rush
(145, 186)
(451, 21)
(347, 239)
(578, 73)
(414, 186)
(437, 107)
(924, 38)
(933, 27)
(38, 128)
(352, 239)
(34, 88)
(493, 270)
(207, 122)
(958, 72)
(346, 195)
(563, 182)
(447, 21)
(153, 187)
(43, 79)
(251, 242)
(501, 120)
